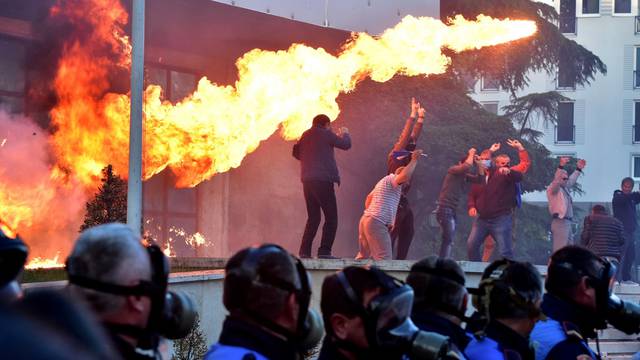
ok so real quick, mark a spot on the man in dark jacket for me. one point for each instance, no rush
(624, 209)
(603, 234)
(493, 205)
(440, 299)
(400, 156)
(318, 174)
(453, 186)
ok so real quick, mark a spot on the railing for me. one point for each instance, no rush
(635, 134)
(568, 24)
(564, 134)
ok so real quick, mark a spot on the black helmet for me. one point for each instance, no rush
(13, 254)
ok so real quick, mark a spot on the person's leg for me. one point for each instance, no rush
(330, 210)
(560, 229)
(379, 240)
(479, 230)
(363, 245)
(313, 219)
(446, 219)
(489, 246)
(500, 229)
(405, 232)
(628, 256)
(395, 232)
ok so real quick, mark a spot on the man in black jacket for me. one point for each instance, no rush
(318, 174)
(603, 234)
(624, 209)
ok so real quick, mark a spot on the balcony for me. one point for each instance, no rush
(564, 134)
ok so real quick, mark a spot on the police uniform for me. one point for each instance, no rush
(564, 334)
(499, 342)
(429, 321)
(240, 340)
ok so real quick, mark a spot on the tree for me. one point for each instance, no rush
(523, 109)
(191, 347)
(109, 203)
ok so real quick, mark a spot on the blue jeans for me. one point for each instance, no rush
(447, 219)
(499, 227)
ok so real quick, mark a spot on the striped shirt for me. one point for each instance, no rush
(385, 198)
(604, 235)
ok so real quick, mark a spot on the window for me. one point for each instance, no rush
(567, 17)
(636, 122)
(622, 7)
(636, 71)
(635, 166)
(490, 83)
(170, 214)
(565, 128)
(590, 7)
(12, 74)
(491, 106)
(566, 74)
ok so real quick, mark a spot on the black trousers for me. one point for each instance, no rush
(402, 229)
(319, 195)
(628, 256)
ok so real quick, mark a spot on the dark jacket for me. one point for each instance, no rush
(329, 351)
(499, 343)
(624, 208)
(315, 152)
(454, 185)
(238, 335)
(497, 197)
(429, 321)
(603, 234)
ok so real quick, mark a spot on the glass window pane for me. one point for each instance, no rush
(565, 122)
(490, 83)
(568, 16)
(565, 73)
(590, 6)
(11, 65)
(157, 76)
(491, 107)
(182, 84)
(636, 166)
(622, 6)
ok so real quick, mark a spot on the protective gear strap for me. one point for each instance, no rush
(143, 287)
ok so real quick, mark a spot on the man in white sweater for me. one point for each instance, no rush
(561, 204)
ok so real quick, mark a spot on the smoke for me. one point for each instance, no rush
(42, 203)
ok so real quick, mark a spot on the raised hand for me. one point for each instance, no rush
(414, 107)
(495, 147)
(416, 154)
(515, 144)
(421, 112)
(504, 171)
(581, 164)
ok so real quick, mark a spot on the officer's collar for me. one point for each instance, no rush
(429, 321)
(571, 315)
(509, 340)
(236, 332)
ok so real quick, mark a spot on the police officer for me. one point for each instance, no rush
(576, 281)
(508, 303)
(440, 299)
(267, 294)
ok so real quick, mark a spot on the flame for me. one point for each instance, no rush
(167, 249)
(44, 263)
(213, 129)
(4, 141)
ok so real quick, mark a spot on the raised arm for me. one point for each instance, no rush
(525, 162)
(341, 141)
(406, 173)
(464, 166)
(417, 128)
(576, 173)
(404, 138)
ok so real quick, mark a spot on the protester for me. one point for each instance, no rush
(13, 255)
(624, 209)
(493, 203)
(319, 172)
(603, 234)
(561, 203)
(508, 302)
(374, 238)
(367, 316)
(125, 284)
(577, 281)
(440, 299)
(267, 294)
(452, 188)
(399, 156)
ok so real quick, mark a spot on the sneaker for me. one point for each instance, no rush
(327, 256)
(629, 283)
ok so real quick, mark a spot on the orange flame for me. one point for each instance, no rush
(43, 263)
(213, 129)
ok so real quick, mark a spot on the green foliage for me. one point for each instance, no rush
(191, 347)
(510, 63)
(110, 203)
(541, 105)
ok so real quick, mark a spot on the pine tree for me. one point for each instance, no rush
(191, 347)
(109, 203)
